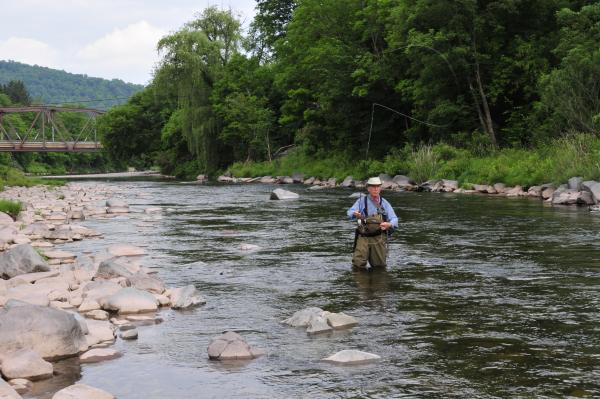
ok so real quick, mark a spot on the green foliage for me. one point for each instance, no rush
(9, 207)
(52, 86)
(423, 163)
(16, 91)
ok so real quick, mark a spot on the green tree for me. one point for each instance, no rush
(17, 92)
(571, 93)
(270, 25)
(192, 59)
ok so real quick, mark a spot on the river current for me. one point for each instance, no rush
(484, 297)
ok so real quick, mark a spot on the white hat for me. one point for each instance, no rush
(374, 181)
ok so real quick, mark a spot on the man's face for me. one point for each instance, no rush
(374, 190)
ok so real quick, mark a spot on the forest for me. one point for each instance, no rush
(478, 91)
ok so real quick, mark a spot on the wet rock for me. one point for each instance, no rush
(231, 346)
(318, 324)
(130, 300)
(516, 191)
(82, 391)
(340, 320)
(99, 355)
(352, 357)
(185, 297)
(25, 363)
(302, 317)
(280, 194)
(129, 334)
(50, 332)
(20, 260)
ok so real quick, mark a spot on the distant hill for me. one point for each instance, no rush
(52, 86)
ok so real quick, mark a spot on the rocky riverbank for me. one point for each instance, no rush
(574, 192)
(56, 304)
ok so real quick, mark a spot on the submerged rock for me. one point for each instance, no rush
(185, 297)
(351, 357)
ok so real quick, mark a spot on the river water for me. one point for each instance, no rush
(484, 297)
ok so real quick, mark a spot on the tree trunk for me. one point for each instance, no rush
(486, 108)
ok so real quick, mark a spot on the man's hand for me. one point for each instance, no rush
(357, 214)
(385, 226)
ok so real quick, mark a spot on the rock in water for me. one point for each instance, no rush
(302, 317)
(20, 260)
(280, 194)
(352, 356)
(82, 391)
(231, 346)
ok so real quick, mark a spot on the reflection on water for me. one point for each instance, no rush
(484, 297)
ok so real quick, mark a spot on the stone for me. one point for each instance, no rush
(25, 363)
(125, 250)
(110, 269)
(340, 320)
(50, 332)
(280, 194)
(82, 391)
(116, 203)
(97, 314)
(297, 177)
(594, 188)
(130, 300)
(547, 192)
(348, 182)
(302, 317)
(574, 183)
(231, 346)
(449, 185)
(21, 385)
(318, 324)
(352, 357)
(516, 191)
(185, 297)
(99, 331)
(20, 260)
(98, 290)
(58, 254)
(267, 180)
(5, 219)
(33, 277)
(99, 355)
(144, 282)
(129, 334)
(7, 392)
(87, 305)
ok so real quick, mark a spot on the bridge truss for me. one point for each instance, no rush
(47, 132)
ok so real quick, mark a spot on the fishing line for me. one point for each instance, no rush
(400, 113)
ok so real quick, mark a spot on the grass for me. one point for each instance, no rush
(14, 177)
(9, 207)
(575, 154)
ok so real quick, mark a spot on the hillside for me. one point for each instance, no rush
(52, 86)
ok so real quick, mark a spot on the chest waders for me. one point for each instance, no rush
(369, 226)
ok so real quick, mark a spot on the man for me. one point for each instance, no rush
(376, 219)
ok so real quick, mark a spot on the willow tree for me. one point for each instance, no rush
(193, 58)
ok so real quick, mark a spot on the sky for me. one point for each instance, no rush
(111, 39)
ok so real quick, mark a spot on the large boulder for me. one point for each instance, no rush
(98, 290)
(280, 194)
(574, 183)
(130, 300)
(185, 297)
(20, 260)
(50, 332)
(298, 177)
(82, 391)
(348, 182)
(231, 346)
(25, 363)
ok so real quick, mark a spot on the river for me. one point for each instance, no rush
(484, 297)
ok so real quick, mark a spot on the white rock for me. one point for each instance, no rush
(100, 331)
(280, 194)
(129, 334)
(7, 392)
(99, 355)
(25, 363)
(82, 391)
(185, 297)
(88, 305)
(302, 317)
(318, 324)
(340, 320)
(352, 356)
(130, 300)
(97, 314)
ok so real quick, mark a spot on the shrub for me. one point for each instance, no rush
(9, 207)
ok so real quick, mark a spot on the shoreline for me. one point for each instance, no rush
(575, 192)
(144, 173)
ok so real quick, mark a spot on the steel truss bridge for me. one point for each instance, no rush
(47, 133)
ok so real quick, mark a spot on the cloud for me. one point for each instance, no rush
(129, 53)
(29, 51)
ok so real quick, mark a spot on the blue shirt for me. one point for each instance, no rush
(372, 209)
